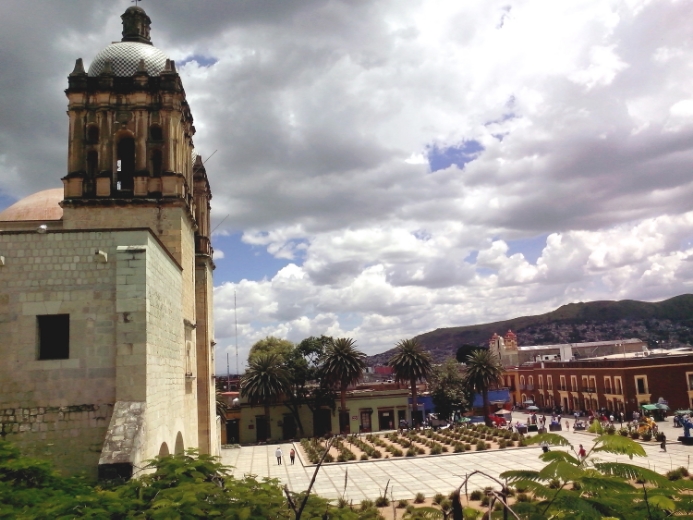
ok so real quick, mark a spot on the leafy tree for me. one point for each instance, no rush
(264, 382)
(484, 371)
(411, 363)
(342, 365)
(448, 389)
(221, 406)
(599, 489)
(465, 351)
(303, 367)
(271, 345)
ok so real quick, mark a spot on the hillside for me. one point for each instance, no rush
(668, 323)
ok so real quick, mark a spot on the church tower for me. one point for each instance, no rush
(132, 165)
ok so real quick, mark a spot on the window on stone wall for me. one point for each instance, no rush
(155, 133)
(92, 134)
(92, 162)
(126, 156)
(53, 336)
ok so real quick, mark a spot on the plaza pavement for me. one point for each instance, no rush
(432, 474)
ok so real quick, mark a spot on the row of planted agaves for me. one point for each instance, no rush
(412, 443)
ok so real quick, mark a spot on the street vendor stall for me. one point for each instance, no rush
(657, 411)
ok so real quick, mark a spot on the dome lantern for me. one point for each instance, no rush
(136, 25)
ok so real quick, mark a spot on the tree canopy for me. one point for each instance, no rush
(271, 345)
(465, 351)
(449, 390)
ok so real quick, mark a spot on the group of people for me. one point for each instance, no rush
(279, 454)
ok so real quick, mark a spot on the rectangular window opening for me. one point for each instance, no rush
(53, 336)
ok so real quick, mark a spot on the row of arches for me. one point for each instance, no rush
(125, 162)
(156, 133)
(178, 449)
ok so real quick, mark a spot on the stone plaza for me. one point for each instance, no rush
(431, 474)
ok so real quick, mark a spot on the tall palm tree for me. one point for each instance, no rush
(264, 381)
(343, 365)
(484, 370)
(411, 363)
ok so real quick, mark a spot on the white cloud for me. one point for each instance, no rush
(323, 112)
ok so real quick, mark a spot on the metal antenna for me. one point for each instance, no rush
(235, 319)
(215, 151)
(135, 2)
(220, 223)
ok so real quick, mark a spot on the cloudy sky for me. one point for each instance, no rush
(387, 167)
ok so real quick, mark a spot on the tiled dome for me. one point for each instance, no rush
(44, 205)
(125, 58)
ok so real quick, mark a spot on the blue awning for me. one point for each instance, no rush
(494, 396)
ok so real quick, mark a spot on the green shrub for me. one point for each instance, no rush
(412, 452)
(438, 498)
(401, 504)
(342, 503)
(634, 434)
(476, 495)
(646, 436)
(554, 483)
(366, 504)
(382, 502)
(660, 436)
(485, 500)
(677, 474)
(410, 509)
(623, 432)
(437, 449)
(364, 456)
(480, 446)
(419, 498)
(522, 497)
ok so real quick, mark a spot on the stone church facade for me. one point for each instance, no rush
(106, 332)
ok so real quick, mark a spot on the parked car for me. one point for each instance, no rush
(498, 420)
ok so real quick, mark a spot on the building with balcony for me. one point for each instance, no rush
(615, 383)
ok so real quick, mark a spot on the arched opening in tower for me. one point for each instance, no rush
(126, 159)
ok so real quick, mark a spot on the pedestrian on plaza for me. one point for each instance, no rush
(567, 426)
(292, 455)
(664, 443)
(621, 417)
(611, 418)
(279, 454)
(582, 453)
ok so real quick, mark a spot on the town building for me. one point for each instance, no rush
(106, 302)
(618, 383)
(510, 354)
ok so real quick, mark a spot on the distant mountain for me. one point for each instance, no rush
(668, 324)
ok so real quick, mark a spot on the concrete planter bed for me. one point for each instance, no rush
(413, 443)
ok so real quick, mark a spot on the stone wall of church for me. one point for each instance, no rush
(58, 408)
(123, 295)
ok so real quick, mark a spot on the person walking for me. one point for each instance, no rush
(279, 454)
(664, 442)
(582, 453)
(292, 455)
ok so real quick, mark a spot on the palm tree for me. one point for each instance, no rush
(264, 381)
(343, 365)
(411, 363)
(222, 407)
(484, 370)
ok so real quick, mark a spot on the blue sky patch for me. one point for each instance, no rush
(243, 260)
(202, 61)
(440, 158)
(531, 248)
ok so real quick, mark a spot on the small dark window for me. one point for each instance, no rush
(92, 162)
(156, 162)
(155, 133)
(126, 156)
(92, 134)
(641, 385)
(54, 336)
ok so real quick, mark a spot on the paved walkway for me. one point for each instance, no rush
(428, 475)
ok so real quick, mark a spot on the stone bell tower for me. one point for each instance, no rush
(132, 165)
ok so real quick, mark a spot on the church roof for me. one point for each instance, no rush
(125, 58)
(43, 205)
